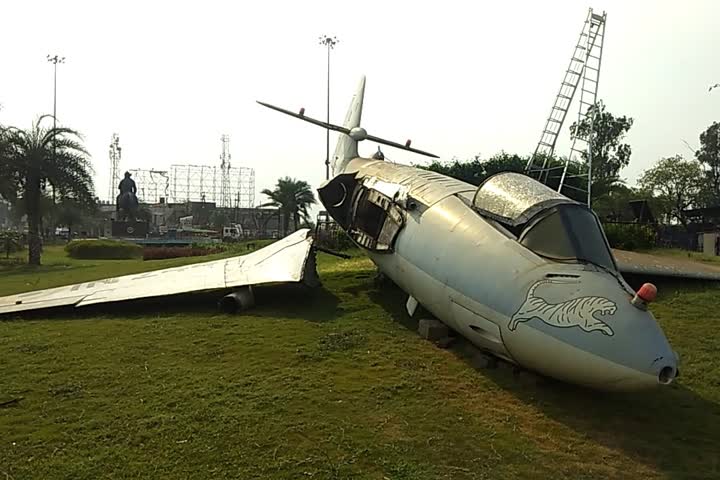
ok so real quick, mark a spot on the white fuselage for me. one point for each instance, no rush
(475, 277)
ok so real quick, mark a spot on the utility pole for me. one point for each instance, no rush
(330, 43)
(55, 60)
(115, 154)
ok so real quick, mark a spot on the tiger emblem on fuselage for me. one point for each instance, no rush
(578, 312)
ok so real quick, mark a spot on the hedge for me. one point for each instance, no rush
(160, 253)
(629, 236)
(103, 250)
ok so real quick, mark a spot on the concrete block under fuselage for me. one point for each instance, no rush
(432, 329)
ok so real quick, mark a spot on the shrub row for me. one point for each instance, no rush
(161, 253)
(628, 236)
(103, 250)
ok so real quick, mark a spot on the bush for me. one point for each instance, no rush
(103, 250)
(161, 253)
(629, 236)
(334, 239)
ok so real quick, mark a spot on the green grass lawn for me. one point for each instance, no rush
(332, 385)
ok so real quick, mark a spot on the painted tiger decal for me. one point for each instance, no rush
(578, 312)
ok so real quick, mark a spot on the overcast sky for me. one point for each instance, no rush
(458, 78)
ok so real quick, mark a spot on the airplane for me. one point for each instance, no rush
(518, 269)
(521, 271)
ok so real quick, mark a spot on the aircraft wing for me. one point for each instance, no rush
(656, 266)
(288, 260)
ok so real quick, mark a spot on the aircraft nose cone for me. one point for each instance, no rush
(643, 331)
(667, 375)
(667, 368)
(596, 336)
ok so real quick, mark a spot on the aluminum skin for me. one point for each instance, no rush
(466, 262)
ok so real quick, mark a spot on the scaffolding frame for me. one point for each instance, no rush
(152, 185)
(583, 73)
(225, 186)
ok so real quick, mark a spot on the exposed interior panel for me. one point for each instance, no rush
(365, 210)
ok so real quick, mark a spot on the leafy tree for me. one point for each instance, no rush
(10, 242)
(574, 186)
(709, 156)
(46, 207)
(293, 198)
(679, 184)
(71, 212)
(470, 171)
(609, 154)
(613, 206)
(476, 170)
(40, 157)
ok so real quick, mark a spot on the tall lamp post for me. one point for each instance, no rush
(55, 60)
(330, 43)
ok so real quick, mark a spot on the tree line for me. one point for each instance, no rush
(672, 186)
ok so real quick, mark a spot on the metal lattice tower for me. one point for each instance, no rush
(152, 185)
(199, 183)
(225, 196)
(583, 72)
(115, 153)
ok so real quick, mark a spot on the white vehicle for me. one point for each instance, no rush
(232, 232)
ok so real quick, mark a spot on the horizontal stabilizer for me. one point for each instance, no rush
(357, 133)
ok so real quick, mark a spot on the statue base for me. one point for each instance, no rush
(129, 229)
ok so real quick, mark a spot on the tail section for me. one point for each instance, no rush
(347, 148)
(351, 132)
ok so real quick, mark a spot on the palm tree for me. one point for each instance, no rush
(293, 198)
(40, 157)
(7, 190)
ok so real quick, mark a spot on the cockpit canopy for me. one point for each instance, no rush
(568, 232)
(544, 221)
(513, 199)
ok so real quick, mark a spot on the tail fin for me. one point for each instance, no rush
(347, 148)
(351, 132)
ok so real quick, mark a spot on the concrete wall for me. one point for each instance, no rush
(710, 243)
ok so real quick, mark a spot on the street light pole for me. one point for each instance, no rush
(330, 43)
(55, 60)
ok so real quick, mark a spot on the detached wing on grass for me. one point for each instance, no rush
(644, 264)
(290, 260)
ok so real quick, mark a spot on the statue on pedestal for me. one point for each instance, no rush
(127, 202)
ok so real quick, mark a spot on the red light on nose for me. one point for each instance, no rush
(645, 295)
(647, 292)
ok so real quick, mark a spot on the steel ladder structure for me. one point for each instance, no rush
(583, 72)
